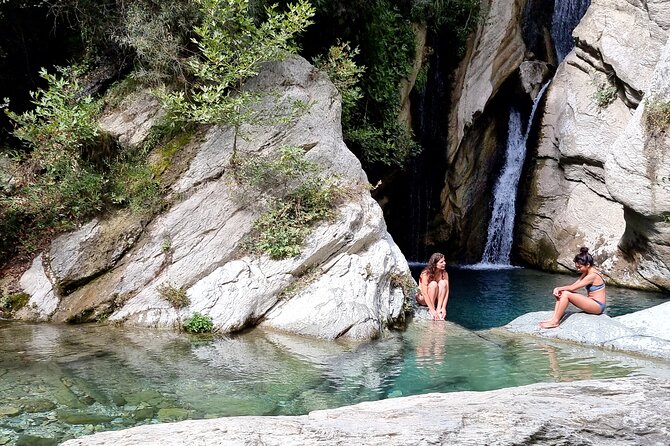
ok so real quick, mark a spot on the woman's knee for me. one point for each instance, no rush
(571, 296)
(443, 284)
(432, 285)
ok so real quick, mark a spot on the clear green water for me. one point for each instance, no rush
(59, 382)
(482, 299)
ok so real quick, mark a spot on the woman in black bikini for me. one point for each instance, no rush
(595, 300)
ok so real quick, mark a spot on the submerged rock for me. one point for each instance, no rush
(628, 411)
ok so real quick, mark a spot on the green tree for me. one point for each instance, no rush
(233, 45)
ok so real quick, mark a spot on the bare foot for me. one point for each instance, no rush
(548, 324)
(434, 315)
(442, 314)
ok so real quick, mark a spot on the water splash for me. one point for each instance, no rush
(567, 14)
(501, 228)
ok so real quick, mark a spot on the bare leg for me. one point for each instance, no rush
(559, 309)
(579, 300)
(442, 297)
(431, 299)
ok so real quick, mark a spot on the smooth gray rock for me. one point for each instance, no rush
(43, 301)
(622, 333)
(133, 120)
(627, 411)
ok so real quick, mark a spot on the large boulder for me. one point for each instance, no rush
(626, 411)
(644, 332)
(597, 175)
(345, 283)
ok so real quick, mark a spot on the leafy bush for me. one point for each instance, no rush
(71, 169)
(276, 172)
(300, 199)
(373, 129)
(198, 323)
(134, 183)
(10, 303)
(232, 47)
(657, 116)
(605, 94)
(63, 127)
(158, 33)
(345, 75)
(460, 17)
(176, 296)
(152, 34)
(390, 145)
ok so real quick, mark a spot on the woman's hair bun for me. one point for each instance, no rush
(584, 250)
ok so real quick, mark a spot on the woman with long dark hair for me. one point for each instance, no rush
(595, 300)
(434, 287)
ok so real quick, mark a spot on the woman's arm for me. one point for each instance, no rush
(423, 284)
(585, 279)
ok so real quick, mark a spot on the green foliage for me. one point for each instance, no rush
(166, 245)
(460, 17)
(390, 145)
(421, 78)
(391, 38)
(133, 183)
(63, 124)
(233, 46)
(72, 171)
(373, 128)
(10, 303)
(657, 116)
(158, 34)
(176, 296)
(605, 93)
(59, 181)
(300, 199)
(153, 34)
(198, 323)
(276, 172)
(343, 71)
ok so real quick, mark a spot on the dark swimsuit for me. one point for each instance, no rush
(593, 288)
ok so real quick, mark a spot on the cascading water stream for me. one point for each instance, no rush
(567, 14)
(501, 228)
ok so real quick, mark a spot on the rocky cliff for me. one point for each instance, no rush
(596, 175)
(345, 283)
(599, 177)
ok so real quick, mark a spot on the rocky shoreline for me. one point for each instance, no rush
(627, 411)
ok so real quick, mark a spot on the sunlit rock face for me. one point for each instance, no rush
(494, 54)
(343, 284)
(645, 332)
(599, 176)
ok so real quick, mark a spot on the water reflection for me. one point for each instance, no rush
(63, 381)
(430, 347)
(58, 382)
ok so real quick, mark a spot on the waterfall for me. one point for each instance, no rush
(567, 14)
(501, 228)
